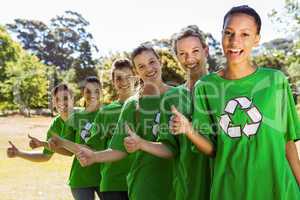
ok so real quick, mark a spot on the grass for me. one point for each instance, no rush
(21, 179)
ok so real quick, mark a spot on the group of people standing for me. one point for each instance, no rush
(226, 135)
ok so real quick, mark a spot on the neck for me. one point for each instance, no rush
(93, 107)
(193, 77)
(124, 96)
(238, 71)
(64, 116)
(154, 88)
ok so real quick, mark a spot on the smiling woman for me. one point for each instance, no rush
(251, 139)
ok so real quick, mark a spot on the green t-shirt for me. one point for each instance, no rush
(79, 125)
(150, 177)
(250, 121)
(113, 174)
(58, 126)
(192, 170)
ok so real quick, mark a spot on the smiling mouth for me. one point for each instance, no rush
(152, 74)
(191, 66)
(235, 51)
(125, 87)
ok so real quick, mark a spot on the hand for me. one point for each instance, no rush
(55, 142)
(133, 142)
(85, 156)
(179, 124)
(34, 142)
(12, 151)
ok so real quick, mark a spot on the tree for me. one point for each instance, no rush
(288, 21)
(24, 82)
(65, 42)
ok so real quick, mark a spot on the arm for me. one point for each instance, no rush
(64, 146)
(134, 142)
(292, 157)
(13, 152)
(35, 143)
(181, 125)
(87, 157)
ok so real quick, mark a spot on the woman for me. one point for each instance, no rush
(247, 119)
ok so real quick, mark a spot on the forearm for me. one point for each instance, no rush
(64, 152)
(201, 142)
(156, 148)
(33, 156)
(292, 157)
(70, 146)
(109, 155)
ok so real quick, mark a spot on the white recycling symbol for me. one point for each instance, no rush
(251, 110)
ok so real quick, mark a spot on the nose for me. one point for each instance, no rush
(189, 58)
(124, 81)
(235, 38)
(148, 68)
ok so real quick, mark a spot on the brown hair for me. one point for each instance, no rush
(120, 64)
(189, 31)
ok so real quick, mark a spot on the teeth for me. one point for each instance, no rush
(192, 65)
(235, 50)
(151, 74)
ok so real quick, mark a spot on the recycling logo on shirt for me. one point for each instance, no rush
(155, 127)
(250, 109)
(85, 134)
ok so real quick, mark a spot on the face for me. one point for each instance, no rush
(91, 94)
(123, 81)
(239, 37)
(63, 101)
(147, 66)
(191, 54)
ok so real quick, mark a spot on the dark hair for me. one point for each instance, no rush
(61, 87)
(244, 9)
(120, 64)
(189, 31)
(140, 49)
(92, 79)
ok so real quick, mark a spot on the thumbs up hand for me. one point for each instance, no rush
(34, 142)
(179, 124)
(132, 142)
(12, 151)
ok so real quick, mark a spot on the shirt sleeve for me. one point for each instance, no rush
(164, 135)
(49, 134)
(70, 131)
(202, 119)
(292, 128)
(127, 116)
(97, 138)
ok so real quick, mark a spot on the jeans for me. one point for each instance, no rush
(85, 193)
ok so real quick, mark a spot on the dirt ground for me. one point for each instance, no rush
(24, 180)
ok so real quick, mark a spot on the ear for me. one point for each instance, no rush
(206, 51)
(257, 40)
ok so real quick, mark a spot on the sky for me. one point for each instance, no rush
(119, 25)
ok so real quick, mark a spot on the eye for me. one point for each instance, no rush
(195, 50)
(245, 34)
(66, 98)
(152, 62)
(118, 78)
(87, 91)
(227, 33)
(181, 53)
(141, 66)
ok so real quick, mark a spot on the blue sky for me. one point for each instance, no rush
(121, 25)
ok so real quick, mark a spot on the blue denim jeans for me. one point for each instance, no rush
(85, 193)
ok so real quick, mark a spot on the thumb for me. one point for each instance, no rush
(12, 145)
(175, 111)
(30, 137)
(129, 131)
